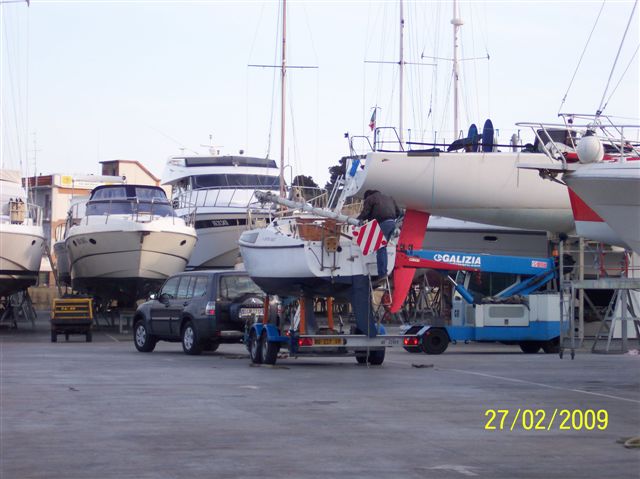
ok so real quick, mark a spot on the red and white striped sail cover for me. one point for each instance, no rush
(369, 237)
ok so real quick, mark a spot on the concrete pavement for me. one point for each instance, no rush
(103, 410)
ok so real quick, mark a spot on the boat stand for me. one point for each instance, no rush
(620, 312)
(17, 307)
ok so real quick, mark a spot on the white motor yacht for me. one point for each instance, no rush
(222, 189)
(21, 236)
(125, 241)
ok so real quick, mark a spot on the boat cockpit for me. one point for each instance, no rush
(129, 200)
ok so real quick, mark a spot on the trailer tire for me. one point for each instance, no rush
(552, 346)
(255, 348)
(373, 357)
(143, 341)
(89, 337)
(54, 337)
(435, 341)
(530, 347)
(269, 349)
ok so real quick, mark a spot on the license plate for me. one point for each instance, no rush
(248, 312)
(328, 342)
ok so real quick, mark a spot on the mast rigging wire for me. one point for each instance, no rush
(622, 76)
(564, 98)
(626, 30)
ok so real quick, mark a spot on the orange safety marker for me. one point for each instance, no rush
(302, 317)
(330, 312)
(265, 313)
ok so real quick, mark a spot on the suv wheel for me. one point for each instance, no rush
(145, 342)
(190, 343)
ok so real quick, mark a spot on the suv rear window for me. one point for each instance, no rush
(232, 287)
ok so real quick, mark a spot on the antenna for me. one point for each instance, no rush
(213, 149)
(35, 151)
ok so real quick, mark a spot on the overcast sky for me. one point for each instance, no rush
(141, 80)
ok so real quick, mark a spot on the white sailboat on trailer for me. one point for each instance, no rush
(313, 252)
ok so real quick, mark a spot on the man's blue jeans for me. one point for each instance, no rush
(387, 227)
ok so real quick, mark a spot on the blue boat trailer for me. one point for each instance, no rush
(264, 340)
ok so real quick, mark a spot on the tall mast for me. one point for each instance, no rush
(283, 74)
(401, 64)
(457, 23)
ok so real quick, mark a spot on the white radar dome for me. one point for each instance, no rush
(589, 149)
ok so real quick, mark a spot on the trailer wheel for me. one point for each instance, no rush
(435, 341)
(269, 350)
(530, 347)
(54, 337)
(89, 337)
(190, 341)
(374, 357)
(255, 348)
(552, 346)
(143, 341)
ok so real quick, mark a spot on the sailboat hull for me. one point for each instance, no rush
(612, 190)
(290, 266)
(480, 187)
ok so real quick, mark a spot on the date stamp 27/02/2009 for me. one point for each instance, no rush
(542, 420)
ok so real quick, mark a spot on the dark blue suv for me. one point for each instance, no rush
(202, 309)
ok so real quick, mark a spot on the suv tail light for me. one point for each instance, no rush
(210, 308)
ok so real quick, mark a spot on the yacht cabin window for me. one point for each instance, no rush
(234, 181)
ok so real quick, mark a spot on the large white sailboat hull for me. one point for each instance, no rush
(480, 187)
(613, 191)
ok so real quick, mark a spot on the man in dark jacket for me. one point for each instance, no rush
(384, 209)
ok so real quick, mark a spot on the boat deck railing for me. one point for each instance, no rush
(619, 140)
(224, 197)
(18, 212)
